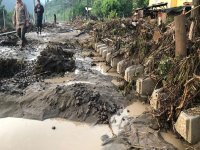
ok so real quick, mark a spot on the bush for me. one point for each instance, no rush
(112, 8)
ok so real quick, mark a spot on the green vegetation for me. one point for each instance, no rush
(70, 9)
(8, 17)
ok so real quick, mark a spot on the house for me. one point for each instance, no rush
(171, 3)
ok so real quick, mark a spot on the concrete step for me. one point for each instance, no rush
(188, 126)
(157, 99)
(145, 86)
(115, 61)
(133, 72)
(122, 65)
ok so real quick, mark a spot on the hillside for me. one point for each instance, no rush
(9, 4)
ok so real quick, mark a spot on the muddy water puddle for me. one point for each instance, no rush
(51, 134)
(171, 138)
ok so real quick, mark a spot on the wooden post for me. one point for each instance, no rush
(4, 19)
(34, 20)
(195, 25)
(180, 36)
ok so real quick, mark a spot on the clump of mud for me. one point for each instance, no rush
(79, 102)
(9, 40)
(9, 67)
(53, 59)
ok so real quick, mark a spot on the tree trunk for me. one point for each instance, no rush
(195, 25)
(180, 36)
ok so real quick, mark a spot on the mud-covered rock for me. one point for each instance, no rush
(9, 67)
(53, 59)
(8, 40)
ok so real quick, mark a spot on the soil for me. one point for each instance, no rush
(89, 96)
(138, 134)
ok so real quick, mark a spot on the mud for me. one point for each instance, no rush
(138, 134)
(9, 67)
(10, 40)
(53, 59)
(89, 96)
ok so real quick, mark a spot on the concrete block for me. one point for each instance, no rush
(188, 126)
(108, 57)
(157, 99)
(133, 72)
(96, 45)
(115, 61)
(99, 46)
(102, 49)
(122, 65)
(104, 53)
(145, 86)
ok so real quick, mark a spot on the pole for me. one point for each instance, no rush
(4, 19)
(34, 11)
(180, 36)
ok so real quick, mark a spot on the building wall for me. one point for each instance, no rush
(171, 3)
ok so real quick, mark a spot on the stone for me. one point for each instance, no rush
(145, 86)
(133, 72)
(158, 98)
(102, 49)
(115, 61)
(100, 46)
(188, 126)
(122, 65)
(108, 57)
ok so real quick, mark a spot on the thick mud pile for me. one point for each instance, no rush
(9, 40)
(53, 59)
(80, 102)
(9, 67)
(139, 133)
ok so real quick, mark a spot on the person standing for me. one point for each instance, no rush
(21, 20)
(39, 10)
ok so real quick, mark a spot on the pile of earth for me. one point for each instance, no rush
(53, 59)
(9, 67)
(20, 79)
(79, 102)
(10, 40)
(139, 133)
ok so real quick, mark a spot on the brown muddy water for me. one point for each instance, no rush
(23, 134)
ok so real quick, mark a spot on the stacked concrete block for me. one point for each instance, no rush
(104, 53)
(122, 65)
(100, 46)
(145, 86)
(108, 57)
(102, 49)
(188, 126)
(133, 72)
(115, 61)
(157, 99)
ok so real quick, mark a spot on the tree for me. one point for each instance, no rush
(112, 8)
(140, 3)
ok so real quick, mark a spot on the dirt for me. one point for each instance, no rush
(9, 67)
(53, 59)
(89, 96)
(138, 134)
(10, 40)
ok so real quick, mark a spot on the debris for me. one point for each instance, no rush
(53, 59)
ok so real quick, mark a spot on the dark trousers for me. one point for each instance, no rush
(21, 31)
(39, 24)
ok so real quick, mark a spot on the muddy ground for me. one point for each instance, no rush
(37, 89)
(29, 90)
